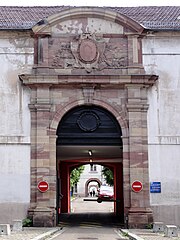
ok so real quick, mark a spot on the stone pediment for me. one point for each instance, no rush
(88, 40)
(87, 19)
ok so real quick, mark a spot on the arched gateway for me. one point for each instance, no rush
(81, 129)
(88, 59)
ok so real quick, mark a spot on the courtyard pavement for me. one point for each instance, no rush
(146, 234)
(31, 233)
(45, 233)
(80, 206)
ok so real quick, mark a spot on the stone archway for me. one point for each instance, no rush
(82, 128)
(112, 78)
(87, 183)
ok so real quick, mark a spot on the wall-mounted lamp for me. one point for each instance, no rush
(91, 162)
(90, 152)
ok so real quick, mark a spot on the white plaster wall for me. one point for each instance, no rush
(161, 56)
(15, 173)
(16, 57)
(14, 182)
(165, 168)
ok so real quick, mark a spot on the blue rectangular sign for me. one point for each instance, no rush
(155, 187)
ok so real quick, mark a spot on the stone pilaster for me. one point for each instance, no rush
(43, 167)
(134, 54)
(139, 213)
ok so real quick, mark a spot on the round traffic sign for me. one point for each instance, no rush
(43, 186)
(137, 186)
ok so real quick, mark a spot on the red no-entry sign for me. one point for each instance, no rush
(137, 186)
(43, 186)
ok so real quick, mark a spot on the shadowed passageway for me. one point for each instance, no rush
(97, 219)
(90, 213)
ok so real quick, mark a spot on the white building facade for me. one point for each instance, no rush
(91, 179)
(161, 57)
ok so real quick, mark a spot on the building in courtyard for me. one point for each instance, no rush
(80, 78)
(90, 180)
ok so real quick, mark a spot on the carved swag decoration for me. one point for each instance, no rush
(89, 52)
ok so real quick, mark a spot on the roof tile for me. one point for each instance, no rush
(152, 17)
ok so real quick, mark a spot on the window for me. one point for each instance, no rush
(75, 187)
(93, 168)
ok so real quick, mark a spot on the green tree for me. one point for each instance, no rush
(108, 175)
(75, 175)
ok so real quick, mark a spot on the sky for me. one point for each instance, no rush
(99, 3)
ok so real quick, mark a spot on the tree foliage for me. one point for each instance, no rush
(108, 175)
(75, 175)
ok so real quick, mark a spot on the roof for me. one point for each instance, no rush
(151, 18)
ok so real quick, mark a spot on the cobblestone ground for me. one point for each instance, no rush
(149, 235)
(79, 205)
(26, 234)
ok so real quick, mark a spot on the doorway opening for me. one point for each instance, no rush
(89, 136)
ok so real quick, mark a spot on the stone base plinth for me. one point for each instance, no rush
(139, 217)
(5, 229)
(158, 227)
(43, 217)
(17, 225)
(171, 231)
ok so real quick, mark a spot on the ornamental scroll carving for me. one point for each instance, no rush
(88, 52)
